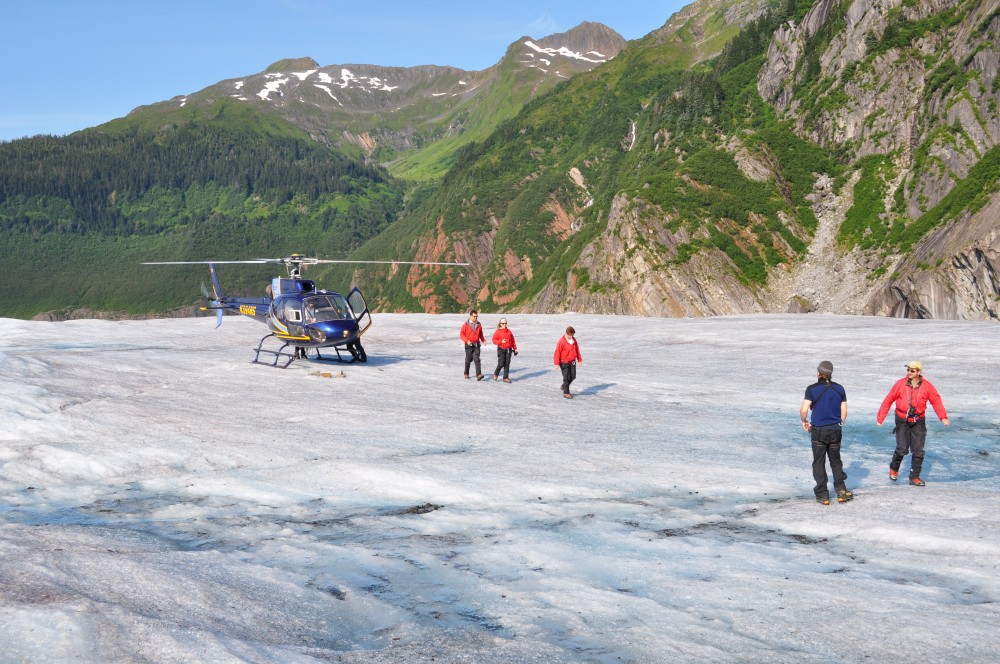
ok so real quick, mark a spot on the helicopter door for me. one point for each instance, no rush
(360, 310)
(288, 310)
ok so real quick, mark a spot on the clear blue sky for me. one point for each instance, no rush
(72, 64)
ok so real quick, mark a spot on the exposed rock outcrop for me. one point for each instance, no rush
(953, 274)
(628, 272)
(903, 102)
(913, 81)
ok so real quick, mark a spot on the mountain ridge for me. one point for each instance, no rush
(391, 112)
(745, 157)
(737, 222)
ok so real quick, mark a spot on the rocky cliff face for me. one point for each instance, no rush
(933, 107)
(953, 274)
(910, 85)
(893, 103)
(628, 263)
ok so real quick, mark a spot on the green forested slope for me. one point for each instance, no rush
(673, 135)
(519, 171)
(80, 213)
(673, 128)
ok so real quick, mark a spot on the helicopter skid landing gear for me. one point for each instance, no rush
(340, 358)
(288, 353)
(280, 355)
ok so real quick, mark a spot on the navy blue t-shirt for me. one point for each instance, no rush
(825, 402)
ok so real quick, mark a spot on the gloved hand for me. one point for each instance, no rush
(515, 352)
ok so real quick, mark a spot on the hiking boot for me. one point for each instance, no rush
(496, 377)
(843, 495)
(822, 501)
(567, 395)
(480, 377)
(893, 474)
(466, 376)
(506, 380)
(916, 481)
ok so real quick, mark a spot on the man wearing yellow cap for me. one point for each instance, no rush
(911, 395)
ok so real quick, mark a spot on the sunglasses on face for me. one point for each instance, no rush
(912, 370)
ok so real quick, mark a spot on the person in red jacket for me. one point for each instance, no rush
(566, 357)
(911, 395)
(503, 339)
(471, 334)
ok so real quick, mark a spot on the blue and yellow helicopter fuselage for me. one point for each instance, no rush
(299, 316)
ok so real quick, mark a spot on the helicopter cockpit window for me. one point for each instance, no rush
(327, 307)
(292, 312)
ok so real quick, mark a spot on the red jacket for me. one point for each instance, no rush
(567, 351)
(504, 338)
(471, 335)
(904, 395)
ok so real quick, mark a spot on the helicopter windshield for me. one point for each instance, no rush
(326, 307)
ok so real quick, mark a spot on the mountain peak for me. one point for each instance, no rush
(587, 37)
(566, 53)
(292, 63)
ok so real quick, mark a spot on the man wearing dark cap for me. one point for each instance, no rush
(828, 402)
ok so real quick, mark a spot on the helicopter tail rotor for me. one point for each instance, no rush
(217, 290)
(217, 307)
(214, 296)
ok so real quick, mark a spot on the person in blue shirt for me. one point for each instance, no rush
(828, 402)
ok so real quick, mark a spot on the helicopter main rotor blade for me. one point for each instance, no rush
(299, 261)
(253, 262)
(391, 262)
(305, 260)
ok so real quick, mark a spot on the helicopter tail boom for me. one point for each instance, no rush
(216, 287)
(218, 302)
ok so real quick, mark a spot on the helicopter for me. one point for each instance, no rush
(300, 317)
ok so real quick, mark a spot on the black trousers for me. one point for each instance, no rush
(826, 445)
(909, 438)
(357, 351)
(568, 374)
(503, 361)
(472, 355)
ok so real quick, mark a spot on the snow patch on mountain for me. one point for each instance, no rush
(272, 85)
(379, 84)
(346, 76)
(327, 90)
(565, 52)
